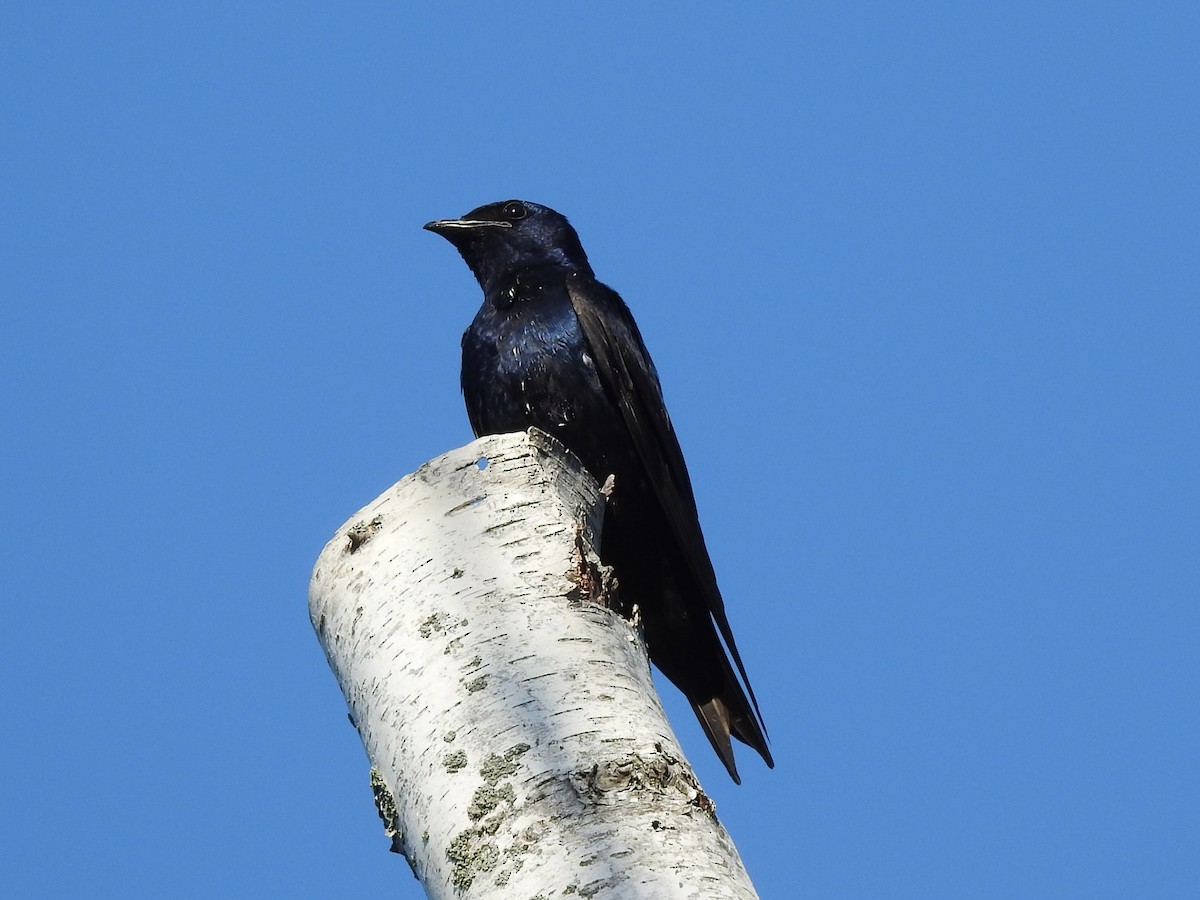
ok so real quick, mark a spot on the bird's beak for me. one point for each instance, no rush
(447, 226)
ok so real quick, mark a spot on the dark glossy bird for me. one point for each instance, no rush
(553, 348)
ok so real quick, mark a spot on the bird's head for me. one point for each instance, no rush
(500, 241)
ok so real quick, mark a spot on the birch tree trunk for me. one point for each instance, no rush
(517, 746)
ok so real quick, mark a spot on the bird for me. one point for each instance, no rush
(554, 348)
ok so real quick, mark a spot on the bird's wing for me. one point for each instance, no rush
(628, 374)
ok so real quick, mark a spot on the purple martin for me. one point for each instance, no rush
(553, 348)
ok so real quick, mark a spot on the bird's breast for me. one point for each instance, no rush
(529, 366)
(526, 366)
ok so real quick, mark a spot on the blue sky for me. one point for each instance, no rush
(921, 282)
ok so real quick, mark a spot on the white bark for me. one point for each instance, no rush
(518, 748)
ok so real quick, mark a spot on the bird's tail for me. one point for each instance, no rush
(726, 715)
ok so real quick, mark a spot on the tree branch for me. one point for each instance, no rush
(517, 744)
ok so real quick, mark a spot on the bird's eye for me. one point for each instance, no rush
(515, 209)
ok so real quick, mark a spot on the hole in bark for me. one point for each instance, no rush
(481, 463)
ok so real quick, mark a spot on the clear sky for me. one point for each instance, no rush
(921, 281)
